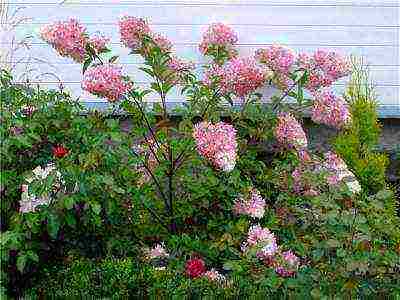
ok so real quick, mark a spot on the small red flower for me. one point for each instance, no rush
(60, 151)
(195, 267)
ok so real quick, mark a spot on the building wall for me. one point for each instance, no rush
(359, 27)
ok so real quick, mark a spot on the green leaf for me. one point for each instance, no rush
(96, 207)
(21, 262)
(86, 64)
(113, 58)
(70, 219)
(53, 224)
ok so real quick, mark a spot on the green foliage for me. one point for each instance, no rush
(357, 144)
(123, 190)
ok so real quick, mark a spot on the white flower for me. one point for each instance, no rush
(354, 186)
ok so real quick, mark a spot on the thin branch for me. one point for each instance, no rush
(154, 179)
(148, 125)
(154, 214)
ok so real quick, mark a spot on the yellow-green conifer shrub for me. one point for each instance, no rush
(358, 143)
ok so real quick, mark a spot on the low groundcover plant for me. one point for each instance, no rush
(186, 206)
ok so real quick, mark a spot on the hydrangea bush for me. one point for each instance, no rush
(189, 197)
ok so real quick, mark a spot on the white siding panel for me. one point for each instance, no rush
(200, 14)
(370, 28)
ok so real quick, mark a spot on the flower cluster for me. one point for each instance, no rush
(324, 68)
(178, 68)
(261, 239)
(330, 110)
(157, 252)
(264, 243)
(239, 76)
(161, 42)
(278, 58)
(286, 264)
(70, 39)
(29, 202)
(215, 276)
(106, 81)
(99, 42)
(134, 30)
(218, 36)
(253, 205)
(195, 267)
(289, 132)
(339, 172)
(217, 143)
(60, 151)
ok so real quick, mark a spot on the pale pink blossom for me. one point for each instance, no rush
(253, 205)
(263, 240)
(289, 132)
(323, 67)
(279, 59)
(287, 264)
(106, 81)
(214, 275)
(99, 42)
(240, 76)
(161, 42)
(69, 38)
(338, 172)
(178, 68)
(132, 31)
(218, 36)
(330, 110)
(157, 252)
(217, 143)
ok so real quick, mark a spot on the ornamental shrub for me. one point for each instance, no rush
(185, 206)
(358, 143)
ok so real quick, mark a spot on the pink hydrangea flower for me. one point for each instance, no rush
(239, 76)
(161, 42)
(178, 67)
(253, 205)
(339, 172)
(288, 264)
(330, 110)
(324, 68)
(132, 31)
(263, 240)
(69, 38)
(217, 143)
(99, 42)
(214, 275)
(218, 35)
(278, 58)
(158, 251)
(106, 81)
(289, 132)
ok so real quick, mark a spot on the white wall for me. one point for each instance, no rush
(361, 27)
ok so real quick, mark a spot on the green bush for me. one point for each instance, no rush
(357, 144)
(147, 211)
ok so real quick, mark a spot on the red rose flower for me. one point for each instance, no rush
(195, 267)
(60, 151)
